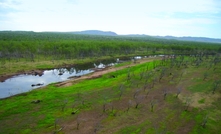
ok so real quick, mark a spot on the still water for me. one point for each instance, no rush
(24, 83)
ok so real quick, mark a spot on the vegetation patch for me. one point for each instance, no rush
(177, 93)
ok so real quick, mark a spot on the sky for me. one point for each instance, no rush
(198, 18)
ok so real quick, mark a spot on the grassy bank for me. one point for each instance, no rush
(171, 96)
(14, 66)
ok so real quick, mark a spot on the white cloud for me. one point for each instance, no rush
(171, 17)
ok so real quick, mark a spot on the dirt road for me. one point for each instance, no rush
(99, 73)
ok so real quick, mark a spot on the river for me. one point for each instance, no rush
(24, 83)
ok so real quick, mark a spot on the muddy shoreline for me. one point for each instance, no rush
(99, 73)
(35, 72)
(31, 72)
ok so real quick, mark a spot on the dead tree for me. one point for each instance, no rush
(138, 100)
(147, 67)
(147, 76)
(129, 104)
(3, 62)
(154, 64)
(165, 92)
(147, 92)
(215, 85)
(97, 127)
(55, 126)
(104, 104)
(205, 75)
(152, 104)
(162, 73)
(145, 86)
(154, 80)
(56, 123)
(128, 75)
(181, 75)
(136, 93)
(205, 119)
(142, 74)
(134, 83)
(80, 97)
(78, 122)
(188, 102)
(160, 130)
(174, 75)
(121, 91)
(111, 105)
(64, 105)
(178, 91)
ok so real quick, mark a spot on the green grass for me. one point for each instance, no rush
(201, 101)
(169, 114)
(123, 64)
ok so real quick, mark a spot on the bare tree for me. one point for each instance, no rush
(188, 101)
(205, 119)
(72, 108)
(174, 75)
(145, 86)
(128, 75)
(147, 76)
(80, 97)
(142, 74)
(97, 127)
(154, 80)
(55, 126)
(198, 62)
(2, 63)
(111, 105)
(129, 104)
(56, 123)
(160, 130)
(136, 93)
(165, 92)
(215, 85)
(79, 121)
(154, 64)
(147, 67)
(152, 104)
(181, 75)
(64, 105)
(162, 73)
(134, 82)
(138, 100)
(121, 91)
(105, 104)
(178, 91)
(205, 75)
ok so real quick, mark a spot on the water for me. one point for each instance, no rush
(24, 83)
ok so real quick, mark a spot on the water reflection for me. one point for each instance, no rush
(25, 83)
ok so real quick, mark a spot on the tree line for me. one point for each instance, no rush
(55, 45)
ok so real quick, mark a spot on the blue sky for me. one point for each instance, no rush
(151, 17)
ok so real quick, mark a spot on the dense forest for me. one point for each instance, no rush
(32, 46)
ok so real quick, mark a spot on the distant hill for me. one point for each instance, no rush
(198, 39)
(96, 32)
(110, 33)
(195, 39)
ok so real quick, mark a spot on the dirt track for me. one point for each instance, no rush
(99, 73)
